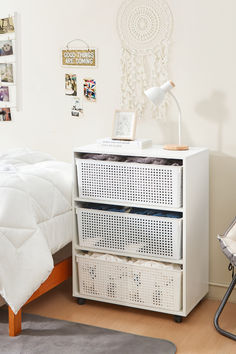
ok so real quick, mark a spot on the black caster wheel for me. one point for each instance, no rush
(81, 301)
(177, 319)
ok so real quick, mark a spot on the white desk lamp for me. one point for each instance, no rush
(156, 95)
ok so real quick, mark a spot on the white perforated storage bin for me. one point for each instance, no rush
(133, 183)
(129, 283)
(132, 234)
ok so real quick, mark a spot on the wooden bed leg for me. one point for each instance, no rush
(61, 272)
(14, 322)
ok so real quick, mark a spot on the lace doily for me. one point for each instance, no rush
(144, 28)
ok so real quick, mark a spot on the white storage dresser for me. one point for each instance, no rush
(141, 227)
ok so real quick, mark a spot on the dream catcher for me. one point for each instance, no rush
(144, 27)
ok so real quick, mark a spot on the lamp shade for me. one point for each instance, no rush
(157, 94)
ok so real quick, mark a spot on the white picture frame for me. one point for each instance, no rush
(124, 125)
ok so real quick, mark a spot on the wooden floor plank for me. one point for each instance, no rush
(196, 334)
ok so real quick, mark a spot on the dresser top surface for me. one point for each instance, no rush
(154, 151)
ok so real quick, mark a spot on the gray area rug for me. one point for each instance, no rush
(45, 335)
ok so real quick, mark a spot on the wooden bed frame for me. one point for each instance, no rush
(60, 273)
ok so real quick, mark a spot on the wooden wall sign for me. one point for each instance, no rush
(79, 57)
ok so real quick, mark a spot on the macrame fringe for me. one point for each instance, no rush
(135, 80)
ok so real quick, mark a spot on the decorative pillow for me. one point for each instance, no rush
(228, 242)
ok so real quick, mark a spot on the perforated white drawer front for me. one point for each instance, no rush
(129, 283)
(138, 184)
(130, 233)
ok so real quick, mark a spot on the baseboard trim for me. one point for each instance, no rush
(219, 284)
(218, 290)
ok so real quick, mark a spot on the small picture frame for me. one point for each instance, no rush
(124, 125)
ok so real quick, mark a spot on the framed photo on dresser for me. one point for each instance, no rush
(124, 125)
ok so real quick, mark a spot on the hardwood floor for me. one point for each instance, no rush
(196, 334)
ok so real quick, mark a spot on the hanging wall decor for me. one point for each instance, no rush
(8, 67)
(77, 56)
(144, 28)
(77, 85)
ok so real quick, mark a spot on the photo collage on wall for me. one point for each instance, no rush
(7, 67)
(81, 88)
(80, 91)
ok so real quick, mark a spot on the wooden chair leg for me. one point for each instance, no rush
(14, 322)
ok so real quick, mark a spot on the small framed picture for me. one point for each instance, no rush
(124, 125)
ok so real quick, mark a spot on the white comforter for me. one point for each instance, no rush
(34, 189)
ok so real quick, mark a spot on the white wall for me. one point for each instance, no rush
(202, 63)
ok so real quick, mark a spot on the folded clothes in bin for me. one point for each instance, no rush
(135, 159)
(154, 161)
(153, 212)
(115, 208)
(104, 257)
(130, 210)
(154, 264)
(104, 157)
(134, 261)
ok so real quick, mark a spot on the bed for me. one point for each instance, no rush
(35, 224)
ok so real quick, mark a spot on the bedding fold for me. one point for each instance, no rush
(34, 190)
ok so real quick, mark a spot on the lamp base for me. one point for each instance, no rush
(176, 147)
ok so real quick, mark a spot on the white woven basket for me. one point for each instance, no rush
(130, 284)
(132, 234)
(134, 183)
